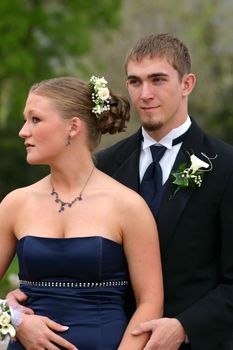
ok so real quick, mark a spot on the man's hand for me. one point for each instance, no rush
(15, 298)
(166, 334)
(37, 333)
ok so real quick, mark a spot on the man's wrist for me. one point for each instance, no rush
(183, 335)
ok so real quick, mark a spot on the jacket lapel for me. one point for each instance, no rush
(173, 207)
(127, 171)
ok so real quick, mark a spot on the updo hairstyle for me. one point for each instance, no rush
(73, 98)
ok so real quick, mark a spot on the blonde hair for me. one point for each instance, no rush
(73, 97)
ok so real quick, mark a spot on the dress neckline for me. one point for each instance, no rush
(69, 238)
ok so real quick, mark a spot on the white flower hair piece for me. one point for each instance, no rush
(100, 96)
(6, 320)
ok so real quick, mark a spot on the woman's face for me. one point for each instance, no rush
(45, 132)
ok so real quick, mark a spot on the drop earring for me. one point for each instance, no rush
(68, 140)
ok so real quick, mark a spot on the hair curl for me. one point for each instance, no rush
(115, 119)
(73, 97)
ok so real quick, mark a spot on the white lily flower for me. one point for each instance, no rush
(197, 163)
(8, 329)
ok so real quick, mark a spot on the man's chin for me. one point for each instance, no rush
(152, 126)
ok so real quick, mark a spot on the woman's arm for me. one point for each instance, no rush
(8, 240)
(141, 246)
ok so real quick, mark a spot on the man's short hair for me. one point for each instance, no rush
(163, 45)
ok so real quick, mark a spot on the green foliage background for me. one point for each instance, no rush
(41, 39)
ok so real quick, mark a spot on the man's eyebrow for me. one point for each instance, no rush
(132, 77)
(158, 74)
(153, 75)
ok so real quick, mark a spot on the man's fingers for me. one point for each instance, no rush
(149, 345)
(144, 327)
(16, 298)
(23, 309)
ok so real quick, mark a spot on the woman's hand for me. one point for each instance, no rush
(37, 333)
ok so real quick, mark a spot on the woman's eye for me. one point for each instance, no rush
(35, 120)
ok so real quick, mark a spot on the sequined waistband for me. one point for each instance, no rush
(63, 284)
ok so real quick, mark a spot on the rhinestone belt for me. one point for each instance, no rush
(74, 284)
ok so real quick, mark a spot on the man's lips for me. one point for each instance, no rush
(149, 108)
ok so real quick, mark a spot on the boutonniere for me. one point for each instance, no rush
(191, 175)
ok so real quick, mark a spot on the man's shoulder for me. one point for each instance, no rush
(127, 143)
(220, 154)
(212, 143)
(219, 145)
(109, 157)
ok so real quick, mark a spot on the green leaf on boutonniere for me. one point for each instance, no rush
(190, 175)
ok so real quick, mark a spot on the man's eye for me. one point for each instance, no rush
(134, 82)
(158, 80)
(35, 120)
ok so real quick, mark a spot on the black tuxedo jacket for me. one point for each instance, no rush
(196, 237)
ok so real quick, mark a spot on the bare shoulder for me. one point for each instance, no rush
(14, 199)
(123, 196)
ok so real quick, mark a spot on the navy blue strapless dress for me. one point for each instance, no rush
(78, 282)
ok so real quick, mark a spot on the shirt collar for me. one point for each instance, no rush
(167, 139)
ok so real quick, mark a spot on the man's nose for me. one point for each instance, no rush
(146, 91)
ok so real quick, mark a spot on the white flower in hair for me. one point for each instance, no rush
(100, 96)
(100, 81)
(103, 93)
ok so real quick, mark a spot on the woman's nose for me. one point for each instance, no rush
(24, 131)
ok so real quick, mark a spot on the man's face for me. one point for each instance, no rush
(158, 94)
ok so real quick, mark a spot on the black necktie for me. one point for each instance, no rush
(151, 188)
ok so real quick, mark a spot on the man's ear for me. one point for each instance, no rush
(75, 126)
(189, 81)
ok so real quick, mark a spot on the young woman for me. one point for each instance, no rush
(80, 236)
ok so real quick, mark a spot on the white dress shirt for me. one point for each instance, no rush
(169, 157)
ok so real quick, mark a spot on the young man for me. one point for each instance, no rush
(195, 223)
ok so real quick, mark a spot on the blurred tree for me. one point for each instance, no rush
(41, 39)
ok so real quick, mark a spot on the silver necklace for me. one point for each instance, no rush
(78, 198)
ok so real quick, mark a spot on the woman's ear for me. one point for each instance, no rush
(75, 126)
